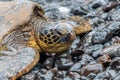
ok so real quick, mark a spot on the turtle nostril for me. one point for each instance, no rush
(71, 37)
(68, 38)
(58, 32)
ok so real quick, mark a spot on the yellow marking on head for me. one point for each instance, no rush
(32, 42)
(55, 47)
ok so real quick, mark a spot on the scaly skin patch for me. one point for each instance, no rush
(82, 25)
(32, 42)
(55, 36)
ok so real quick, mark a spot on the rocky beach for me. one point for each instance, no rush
(94, 55)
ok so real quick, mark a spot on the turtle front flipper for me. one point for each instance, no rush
(80, 24)
(16, 62)
(19, 53)
(12, 67)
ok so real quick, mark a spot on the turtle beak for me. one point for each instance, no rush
(68, 38)
(71, 37)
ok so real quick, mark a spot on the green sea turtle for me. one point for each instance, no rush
(25, 32)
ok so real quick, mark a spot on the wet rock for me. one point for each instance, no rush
(110, 6)
(98, 3)
(64, 63)
(94, 50)
(91, 76)
(49, 63)
(73, 48)
(104, 59)
(74, 75)
(84, 78)
(60, 61)
(105, 17)
(114, 14)
(4, 78)
(42, 71)
(79, 11)
(117, 77)
(115, 40)
(112, 50)
(109, 75)
(64, 10)
(112, 73)
(100, 36)
(76, 55)
(64, 55)
(29, 76)
(41, 2)
(103, 35)
(45, 75)
(55, 10)
(87, 39)
(107, 44)
(114, 26)
(94, 68)
(87, 58)
(55, 14)
(76, 66)
(67, 78)
(32, 75)
(54, 1)
(59, 75)
(97, 23)
(115, 64)
(79, 7)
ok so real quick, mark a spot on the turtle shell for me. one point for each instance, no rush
(16, 13)
(12, 15)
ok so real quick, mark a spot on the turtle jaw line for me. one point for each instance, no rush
(54, 43)
(56, 48)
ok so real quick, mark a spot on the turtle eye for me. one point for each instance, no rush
(63, 39)
(45, 32)
(66, 38)
(58, 32)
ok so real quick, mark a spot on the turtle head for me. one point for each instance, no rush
(56, 37)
